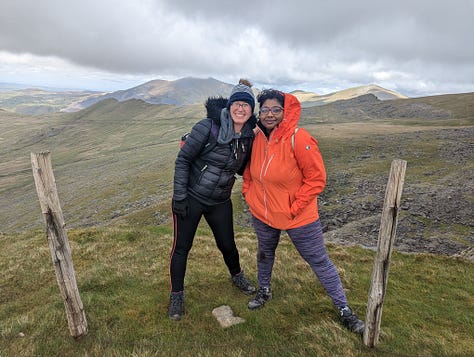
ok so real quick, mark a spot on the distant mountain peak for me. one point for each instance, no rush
(183, 91)
(309, 99)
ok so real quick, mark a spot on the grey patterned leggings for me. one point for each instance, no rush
(309, 242)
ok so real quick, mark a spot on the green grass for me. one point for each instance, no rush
(113, 165)
(122, 275)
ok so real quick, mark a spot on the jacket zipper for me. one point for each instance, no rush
(263, 172)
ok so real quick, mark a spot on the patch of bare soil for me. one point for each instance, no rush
(436, 216)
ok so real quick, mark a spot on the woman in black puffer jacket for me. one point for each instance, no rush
(216, 149)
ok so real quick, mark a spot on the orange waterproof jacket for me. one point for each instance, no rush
(282, 183)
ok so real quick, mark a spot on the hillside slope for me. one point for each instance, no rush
(114, 163)
(41, 101)
(369, 107)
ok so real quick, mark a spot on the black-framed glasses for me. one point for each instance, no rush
(275, 110)
(242, 105)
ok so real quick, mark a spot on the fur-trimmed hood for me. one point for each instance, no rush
(214, 106)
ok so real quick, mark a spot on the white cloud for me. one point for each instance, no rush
(423, 45)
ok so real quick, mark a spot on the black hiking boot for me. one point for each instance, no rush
(263, 295)
(176, 307)
(351, 321)
(241, 282)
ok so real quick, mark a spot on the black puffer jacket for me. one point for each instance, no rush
(210, 176)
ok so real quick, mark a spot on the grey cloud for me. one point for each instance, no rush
(299, 41)
(401, 29)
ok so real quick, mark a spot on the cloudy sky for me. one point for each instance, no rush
(415, 47)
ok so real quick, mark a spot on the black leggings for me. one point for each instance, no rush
(219, 218)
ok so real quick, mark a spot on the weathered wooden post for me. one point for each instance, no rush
(58, 242)
(388, 227)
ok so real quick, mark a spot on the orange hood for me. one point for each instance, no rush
(291, 117)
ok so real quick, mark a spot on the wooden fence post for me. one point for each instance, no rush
(388, 227)
(58, 242)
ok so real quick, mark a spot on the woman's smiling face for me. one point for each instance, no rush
(240, 112)
(271, 114)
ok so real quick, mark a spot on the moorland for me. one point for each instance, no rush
(113, 164)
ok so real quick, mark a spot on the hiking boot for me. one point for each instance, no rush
(263, 295)
(176, 307)
(350, 320)
(240, 281)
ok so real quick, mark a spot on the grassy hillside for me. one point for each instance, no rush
(368, 108)
(122, 276)
(106, 159)
(113, 165)
(38, 101)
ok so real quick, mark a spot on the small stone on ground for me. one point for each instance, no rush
(225, 316)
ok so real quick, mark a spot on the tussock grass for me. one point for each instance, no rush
(122, 275)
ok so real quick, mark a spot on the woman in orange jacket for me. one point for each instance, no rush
(281, 185)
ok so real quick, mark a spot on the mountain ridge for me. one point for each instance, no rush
(309, 99)
(184, 91)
